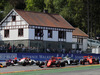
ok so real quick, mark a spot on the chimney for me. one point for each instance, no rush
(45, 11)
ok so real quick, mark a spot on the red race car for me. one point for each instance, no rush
(54, 61)
(89, 60)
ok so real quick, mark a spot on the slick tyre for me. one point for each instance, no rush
(62, 64)
(58, 64)
(41, 66)
(24, 64)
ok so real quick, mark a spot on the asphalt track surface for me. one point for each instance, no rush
(81, 72)
(35, 70)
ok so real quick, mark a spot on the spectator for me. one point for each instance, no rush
(77, 51)
(10, 49)
(63, 50)
(8, 45)
(23, 49)
(13, 48)
(48, 50)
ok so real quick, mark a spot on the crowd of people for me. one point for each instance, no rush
(22, 49)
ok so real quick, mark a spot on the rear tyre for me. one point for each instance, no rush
(41, 66)
(24, 64)
(98, 61)
(58, 64)
(62, 64)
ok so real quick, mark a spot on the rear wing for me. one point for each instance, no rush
(87, 56)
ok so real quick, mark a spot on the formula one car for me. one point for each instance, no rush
(26, 61)
(54, 61)
(70, 61)
(39, 62)
(9, 62)
(89, 60)
(12, 62)
(1, 66)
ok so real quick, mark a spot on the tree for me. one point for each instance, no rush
(2, 4)
(35, 5)
(13, 4)
(18, 4)
(49, 6)
(8, 7)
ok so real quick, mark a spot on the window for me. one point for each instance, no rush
(62, 34)
(39, 32)
(80, 40)
(20, 32)
(13, 18)
(6, 33)
(49, 33)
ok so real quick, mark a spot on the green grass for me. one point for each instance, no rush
(54, 70)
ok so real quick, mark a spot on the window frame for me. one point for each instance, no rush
(38, 32)
(13, 18)
(80, 40)
(6, 33)
(62, 34)
(50, 31)
(20, 32)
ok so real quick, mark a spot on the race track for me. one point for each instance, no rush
(82, 72)
(35, 70)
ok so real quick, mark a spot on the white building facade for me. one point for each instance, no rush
(79, 40)
(18, 29)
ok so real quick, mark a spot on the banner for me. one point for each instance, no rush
(44, 56)
(6, 56)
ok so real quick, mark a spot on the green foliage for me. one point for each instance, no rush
(7, 9)
(18, 4)
(49, 5)
(2, 3)
(34, 5)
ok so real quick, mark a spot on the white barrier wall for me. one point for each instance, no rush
(96, 50)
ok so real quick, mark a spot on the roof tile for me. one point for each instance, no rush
(44, 19)
(78, 32)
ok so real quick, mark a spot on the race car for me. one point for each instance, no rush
(9, 62)
(54, 61)
(12, 62)
(26, 61)
(89, 60)
(70, 61)
(1, 66)
(39, 62)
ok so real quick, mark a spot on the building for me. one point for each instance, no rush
(39, 31)
(79, 39)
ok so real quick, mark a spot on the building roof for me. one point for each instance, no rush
(78, 32)
(44, 19)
